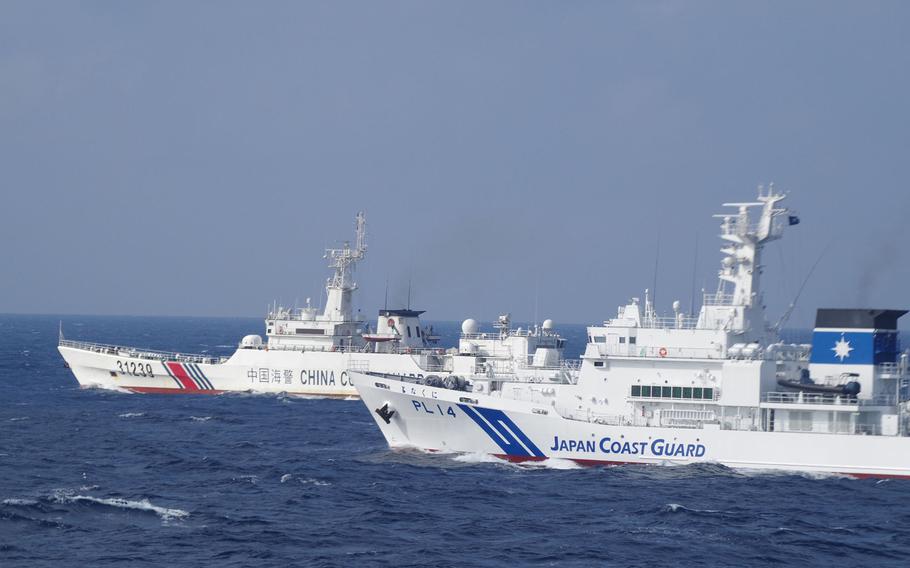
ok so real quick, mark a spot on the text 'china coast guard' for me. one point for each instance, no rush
(675, 389)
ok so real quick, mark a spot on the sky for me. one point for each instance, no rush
(548, 159)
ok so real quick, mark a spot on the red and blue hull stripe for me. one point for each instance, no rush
(188, 377)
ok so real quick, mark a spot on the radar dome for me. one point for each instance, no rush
(547, 324)
(251, 342)
(469, 326)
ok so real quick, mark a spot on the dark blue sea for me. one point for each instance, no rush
(96, 478)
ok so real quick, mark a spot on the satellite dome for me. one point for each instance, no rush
(547, 324)
(251, 342)
(469, 326)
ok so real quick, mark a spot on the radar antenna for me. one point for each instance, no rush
(344, 260)
(341, 284)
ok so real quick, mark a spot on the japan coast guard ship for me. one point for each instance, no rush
(718, 388)
(311, 353)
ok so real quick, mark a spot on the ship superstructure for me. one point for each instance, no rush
(307, 351)
(718, 387)
(336, 327)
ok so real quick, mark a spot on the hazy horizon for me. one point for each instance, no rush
(195, 159)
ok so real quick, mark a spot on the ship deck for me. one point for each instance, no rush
(137, 353)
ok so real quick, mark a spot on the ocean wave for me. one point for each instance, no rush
(14, 502)
(553, 463)
(105, 389)
(550, 463)
(251, 479)
(813, 475)
(477, 458)
(131, 415)
(143, 505)
(307, 481)
(677, 508)
(200, 418)
(18, 418)
(302, 396)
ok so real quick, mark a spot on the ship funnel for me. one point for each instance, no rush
(855, 342)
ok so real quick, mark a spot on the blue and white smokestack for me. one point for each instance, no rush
(855, 341)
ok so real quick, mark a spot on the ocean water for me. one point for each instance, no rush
(95, 478)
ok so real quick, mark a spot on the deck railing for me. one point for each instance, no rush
(134, 353)
(825, 398)
(655, 351)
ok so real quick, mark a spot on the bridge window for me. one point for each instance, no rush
(622, 339)
(409, 331)
(677, 393)
(632, 340)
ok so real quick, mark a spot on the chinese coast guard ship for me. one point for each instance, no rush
(720, 387)
(312, 353)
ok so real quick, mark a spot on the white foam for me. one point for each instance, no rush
(821, 475)
(286, 477)
(18, 419)
(316, 482)
(200, 418)
(19, 502)
(131, 414)
(549, 463)
(813, 475)
(106, 388)
(553, 463)
(141, 505)
(293, 395)
(675, 507)
(479, 458)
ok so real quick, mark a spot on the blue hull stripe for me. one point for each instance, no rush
(502, 430)
(204, 378)
(194, 371)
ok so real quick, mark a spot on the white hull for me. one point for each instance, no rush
(437, 419)
(261, 371)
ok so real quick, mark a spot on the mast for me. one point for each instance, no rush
(340, 286)
(742, 311)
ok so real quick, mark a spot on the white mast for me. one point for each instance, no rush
(742, 311)
(340, 286)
